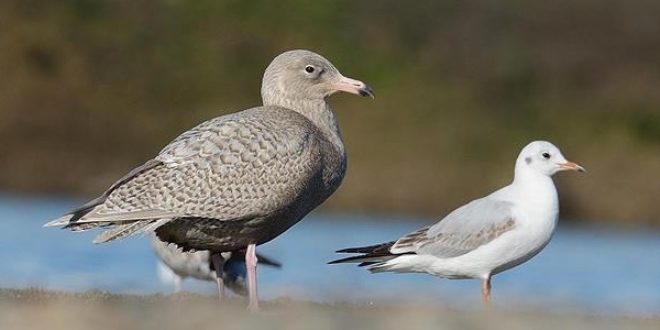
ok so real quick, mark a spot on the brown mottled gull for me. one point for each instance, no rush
(179, 264)
(238, 180)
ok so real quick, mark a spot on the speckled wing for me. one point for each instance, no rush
(249, 163)
(462, 231)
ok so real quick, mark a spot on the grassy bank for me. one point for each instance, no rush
(91, 89)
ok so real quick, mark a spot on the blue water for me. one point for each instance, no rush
(588, 268)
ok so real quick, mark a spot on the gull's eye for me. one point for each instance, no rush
(309, 69)
(546, 155)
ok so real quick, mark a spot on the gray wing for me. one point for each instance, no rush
(462, 231)
(253, 162)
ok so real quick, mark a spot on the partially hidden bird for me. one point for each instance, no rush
(175, 265)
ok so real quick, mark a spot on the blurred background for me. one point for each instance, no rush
(90, 89)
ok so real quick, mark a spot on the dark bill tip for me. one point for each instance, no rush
(367, 91)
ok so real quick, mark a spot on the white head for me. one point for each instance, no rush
(303, 76)
(542, 157)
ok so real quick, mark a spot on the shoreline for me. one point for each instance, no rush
(34, 308)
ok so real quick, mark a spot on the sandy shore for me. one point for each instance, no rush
(39, 309)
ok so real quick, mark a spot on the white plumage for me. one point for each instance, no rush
(485, 236)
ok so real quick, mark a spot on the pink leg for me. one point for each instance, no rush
(485, 292)
(251, 264)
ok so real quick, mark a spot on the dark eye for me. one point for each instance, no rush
(309, 69)
(546, 155)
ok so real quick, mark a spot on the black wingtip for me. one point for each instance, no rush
(377, 248)
(348, 250)
(268, 262)
(340, 261)
(367, 263)
(360, 258)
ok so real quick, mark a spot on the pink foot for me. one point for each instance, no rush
(251, 264)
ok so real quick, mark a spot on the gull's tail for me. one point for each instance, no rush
(369, 255)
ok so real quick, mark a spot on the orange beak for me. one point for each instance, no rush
(570, 166)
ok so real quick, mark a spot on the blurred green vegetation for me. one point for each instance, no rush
(90, 89)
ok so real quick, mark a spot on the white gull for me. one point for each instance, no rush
(486, 236)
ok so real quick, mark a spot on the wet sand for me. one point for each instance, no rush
(39, 309)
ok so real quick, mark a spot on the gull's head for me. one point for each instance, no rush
(302, 75)
(544, 158)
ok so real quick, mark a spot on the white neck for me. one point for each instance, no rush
(538, 188)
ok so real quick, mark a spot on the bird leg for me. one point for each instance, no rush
(251, 264)
(178, 285)
(218, 263)
(485, 291)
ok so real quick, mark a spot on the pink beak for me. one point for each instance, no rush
(345, 84)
